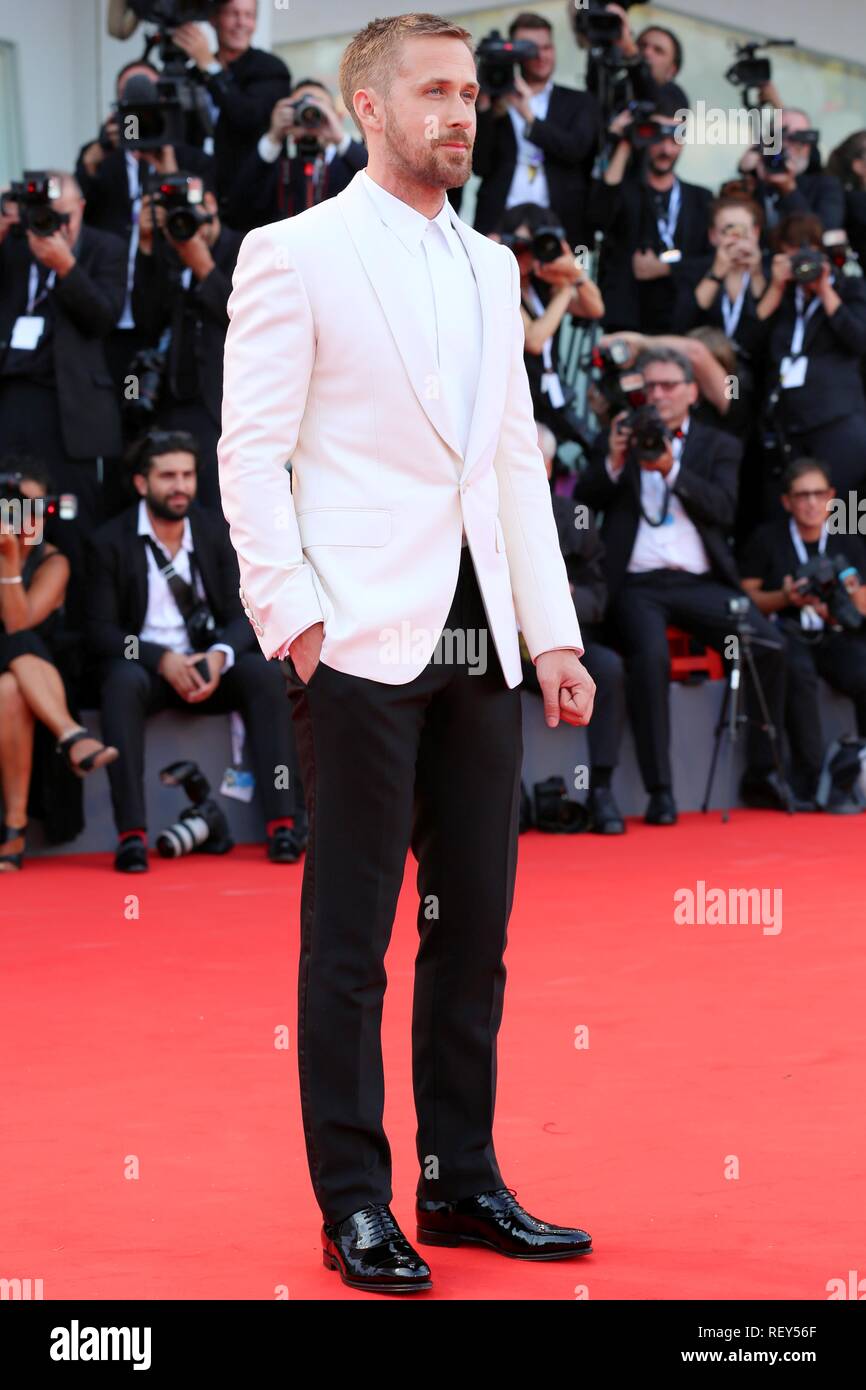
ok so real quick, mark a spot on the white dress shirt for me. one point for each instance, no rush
(529, 182)
(163, 621)
(676, 544)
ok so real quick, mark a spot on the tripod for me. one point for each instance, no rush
(731, 717)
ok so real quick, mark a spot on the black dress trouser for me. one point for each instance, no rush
(433, 763)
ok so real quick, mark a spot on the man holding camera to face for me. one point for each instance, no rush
(668, 486)
(535, 141)
(791, 179)
(182, 282)
(654, 223)
(817, 337)
(304, 157)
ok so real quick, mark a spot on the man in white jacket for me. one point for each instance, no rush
(376, 342)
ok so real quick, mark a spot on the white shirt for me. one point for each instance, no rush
(677, 544)
(270, 150)
(163, 622)
(527, 187)
(133, 179)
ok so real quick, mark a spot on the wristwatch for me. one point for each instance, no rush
(717, 279)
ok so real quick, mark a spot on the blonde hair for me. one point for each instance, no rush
(373, 56)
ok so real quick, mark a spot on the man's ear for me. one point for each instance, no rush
(139, 482)
(693, 392)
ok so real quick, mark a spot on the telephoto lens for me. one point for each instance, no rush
(183, 837)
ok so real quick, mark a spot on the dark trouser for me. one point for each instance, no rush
(254, 686)
(838, 657)
(434, 762)
(646, 605)
(605, 729)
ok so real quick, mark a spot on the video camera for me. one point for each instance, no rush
(153, 114)
(597, 25)
(170, 14)
(644, 131)
(825, 577)
(33, 196)
(621, 390)
(496, 59)
(747, 70)
(545, 244)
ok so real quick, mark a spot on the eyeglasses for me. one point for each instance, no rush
(664, 385)
(817, 495)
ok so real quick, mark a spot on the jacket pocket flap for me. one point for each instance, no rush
(344, 526)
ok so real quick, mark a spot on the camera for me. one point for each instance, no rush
(841, 253)
(747, 70)
(774, 161)
(825, 577)
(595, 23)
(621, 390)
(644, 131)
(154, 113)
(308, 114)
(62, 505)
(807, 265)
(545, 244)
(182, 196)
(172, 13)
(496, 58)
(148, 368)
(202, 828)
(201, 628)
(649, 433)
(33, 196)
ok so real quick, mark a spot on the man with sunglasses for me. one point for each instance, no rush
(654, 223)
(668, 563)
(817, 643)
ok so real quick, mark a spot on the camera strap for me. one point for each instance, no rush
(183, 594)
(808, 617)
(731, 311)
(802, 320)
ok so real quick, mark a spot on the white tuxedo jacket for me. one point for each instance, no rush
(325, 366)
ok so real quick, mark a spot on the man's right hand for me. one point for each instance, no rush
(282, 120)
(175, 668)
(306, 649)
(618, 442)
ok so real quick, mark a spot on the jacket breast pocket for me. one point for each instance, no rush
(344, 526)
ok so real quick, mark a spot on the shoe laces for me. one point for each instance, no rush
(508, 1195)
(378, 1225)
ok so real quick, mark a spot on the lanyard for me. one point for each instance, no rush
(667, 225)
(731, 312)
(650, 482)
(802, 320)
(32, 297)
(809, 619)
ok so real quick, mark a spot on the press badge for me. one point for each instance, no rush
(238, 784)
(792, 372)
(27, 331)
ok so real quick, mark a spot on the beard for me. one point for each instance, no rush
(428, 165)
(164, 510)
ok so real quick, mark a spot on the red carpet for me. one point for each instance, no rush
(150, 1040)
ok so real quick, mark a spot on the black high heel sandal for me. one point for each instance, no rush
(87, 764)
(7, 833)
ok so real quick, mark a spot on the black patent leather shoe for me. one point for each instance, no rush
(496, 1219)
(661, 809)
(369, 1251)
(604, 814)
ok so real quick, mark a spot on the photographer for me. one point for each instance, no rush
(113, 181)
(640, 69)
(793, 181)
(667, 486)
(654, 223)
(193, 650)
(823, 636)
(536, 143)
(273, 183)
(182, 282)
(61, 292)
(243, 83)
(848, 164)
(817, 338)
(549, 289)
(583, 552)
(33, 578)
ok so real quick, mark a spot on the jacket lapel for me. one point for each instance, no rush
(365, 230)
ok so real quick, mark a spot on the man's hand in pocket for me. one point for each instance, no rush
(306, 649)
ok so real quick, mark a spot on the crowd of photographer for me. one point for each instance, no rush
(718, 413)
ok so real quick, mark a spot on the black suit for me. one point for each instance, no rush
(246, 92)
(191, 396)
(644, 605)
(816, 192)
(265, 192)
(85, 305)
(826, 417)
(117, 598)
(624, 213)
(568, 138)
